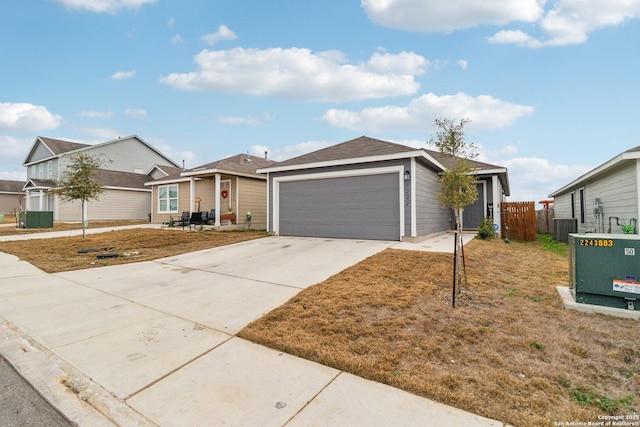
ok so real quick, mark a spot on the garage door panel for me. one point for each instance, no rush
(348, 207)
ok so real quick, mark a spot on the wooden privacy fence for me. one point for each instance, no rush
(520, 217)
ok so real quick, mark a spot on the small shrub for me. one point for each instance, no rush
(485, 229)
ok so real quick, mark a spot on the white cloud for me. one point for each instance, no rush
(177, 39)
(560, 23)
(484, 111)
(122, 75)
(463, 64)
(27, 117)
(247, 121)
(177, 155)
(20, 175)
(289, 151)
(571, 21)
(98, 134)
(104, 6)
(534, 178)
(15, 148)
(430, 16)
(171, 23)
(223, 33)
(300, 74)
(135, 113)
(96, 114)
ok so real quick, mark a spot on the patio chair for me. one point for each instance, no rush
(205, 218)
(212, 217)
(184, 220)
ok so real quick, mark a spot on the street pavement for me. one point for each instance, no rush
(154, 343)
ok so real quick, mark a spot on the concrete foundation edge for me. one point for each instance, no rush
(571, 304)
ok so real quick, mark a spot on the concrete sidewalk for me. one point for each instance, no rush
(154, 343)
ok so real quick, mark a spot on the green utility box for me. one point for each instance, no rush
(35, 219)
(604, 269)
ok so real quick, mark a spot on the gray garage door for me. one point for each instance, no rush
(357, 207)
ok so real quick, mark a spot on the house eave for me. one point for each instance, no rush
(354, 160)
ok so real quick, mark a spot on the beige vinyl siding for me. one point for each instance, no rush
(10, 202)
(253, 198)
(113, 205)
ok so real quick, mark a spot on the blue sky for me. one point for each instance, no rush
(551, 87)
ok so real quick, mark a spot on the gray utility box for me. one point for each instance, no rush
(604, 269)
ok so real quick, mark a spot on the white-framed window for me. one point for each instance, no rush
(168, 199)
(50, 169)
(40, 170)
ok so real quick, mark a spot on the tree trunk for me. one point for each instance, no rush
(83, 230)
(458, 257)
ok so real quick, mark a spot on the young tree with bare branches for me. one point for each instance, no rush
(457, 182)
(78, 182)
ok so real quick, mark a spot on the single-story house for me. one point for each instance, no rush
(127, 163)
(605, 198)
(372, 189)
(11, 196)
(231, 187)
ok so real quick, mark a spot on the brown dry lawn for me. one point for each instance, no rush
(61, 254)
(58, 226)
(508, 351)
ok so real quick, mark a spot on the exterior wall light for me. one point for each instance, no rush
(407, 176)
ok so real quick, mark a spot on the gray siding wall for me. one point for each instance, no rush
(126, 155)
(431, 217)
(618, 191)
(41, 152)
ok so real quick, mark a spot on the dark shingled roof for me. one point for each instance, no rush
(11, 186)
(355, 148)
(59, 146)
(369, 147)
(121, 179)
(242, 163)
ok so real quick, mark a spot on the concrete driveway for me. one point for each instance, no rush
(160, 336)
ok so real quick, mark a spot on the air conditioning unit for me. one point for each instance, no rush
(604, 269)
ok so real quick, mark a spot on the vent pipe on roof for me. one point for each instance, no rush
(265, 155)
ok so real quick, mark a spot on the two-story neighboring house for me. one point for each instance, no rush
(125, 165)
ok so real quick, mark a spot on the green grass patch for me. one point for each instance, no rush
(547, 242)
(592, 397)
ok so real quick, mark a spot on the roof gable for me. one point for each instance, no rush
(241, 163)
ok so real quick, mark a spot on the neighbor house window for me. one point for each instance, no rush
(50, 169)
(41, 171)
(582, 206)
(168, 199)
(573, 205)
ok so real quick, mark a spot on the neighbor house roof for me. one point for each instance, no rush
(11, 187)
(117, 179)
(631, 155)
(58, 147)
(240, 164)
(107, 178)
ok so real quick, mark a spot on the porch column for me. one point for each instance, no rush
(216, 199)
(27, 200)
(497, 215)
(192, 194)
(41, 201)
